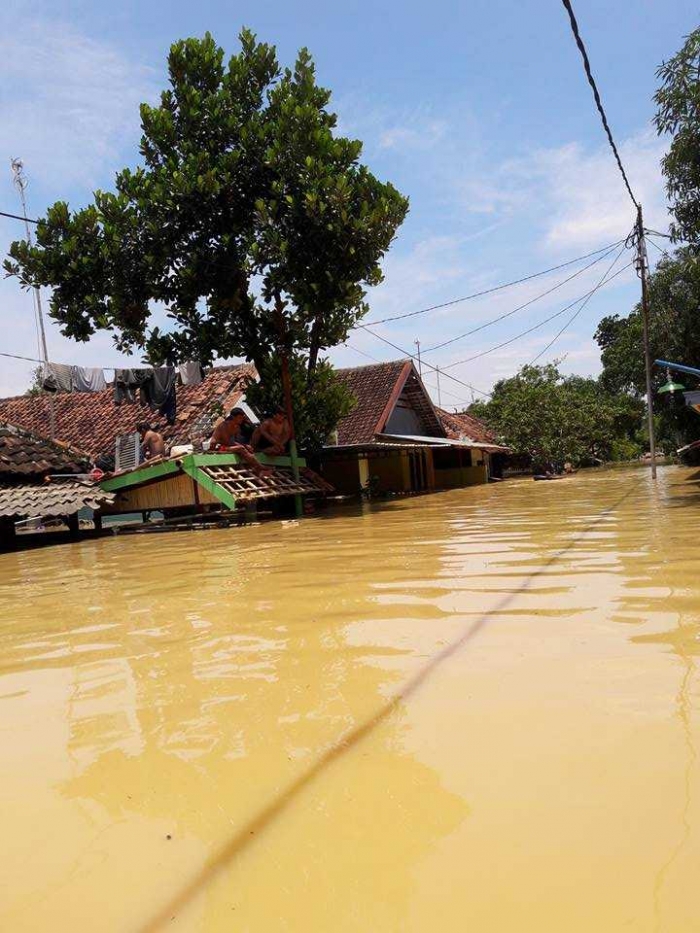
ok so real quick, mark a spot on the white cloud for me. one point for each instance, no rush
(419, 134)
(576, 197)
(70, 111)
(70, 104)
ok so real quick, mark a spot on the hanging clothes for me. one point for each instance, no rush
(190, 373)
(57, 377)
(158, 392)
(127, 381)
(88, 379)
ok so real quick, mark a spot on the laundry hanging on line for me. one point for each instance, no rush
(190, 373)
(155, 385)
(88, 379)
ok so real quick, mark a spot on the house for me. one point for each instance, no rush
(91, 421)
(396, 440)
(40, 479)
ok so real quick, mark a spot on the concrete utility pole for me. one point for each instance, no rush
(420, 369)
(642, 268)
(437, 376)
(20, 182)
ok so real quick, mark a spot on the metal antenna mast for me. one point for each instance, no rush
(20, 182)
(420, 368)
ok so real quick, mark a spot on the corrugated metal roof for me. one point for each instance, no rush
(50, 500)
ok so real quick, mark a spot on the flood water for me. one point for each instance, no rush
(476, 710)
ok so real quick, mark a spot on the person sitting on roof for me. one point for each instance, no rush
(272, 435)
(152, 443)
(233, 435)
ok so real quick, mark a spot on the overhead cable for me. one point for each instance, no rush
(414, 358)
(502, 317)
(579, 310)
(489, 291)
(27, 220)
(535, 326)
(596, 95)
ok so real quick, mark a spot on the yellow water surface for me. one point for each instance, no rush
(471, 711)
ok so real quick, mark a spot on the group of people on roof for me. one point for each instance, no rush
(234, 434)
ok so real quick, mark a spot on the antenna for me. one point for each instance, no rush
(20, 181)
(420, 369)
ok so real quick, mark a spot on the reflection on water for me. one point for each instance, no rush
(474, 710)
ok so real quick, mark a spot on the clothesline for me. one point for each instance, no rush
(33, 359)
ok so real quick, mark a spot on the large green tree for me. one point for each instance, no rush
(546, 418)
(674, 334)
(250, 222)
(678, 113)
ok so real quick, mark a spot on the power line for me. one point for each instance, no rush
(596, 95)
(14, 356)
(502, 317)
(27, 220)
(535, 326)
(369, 356)
(579, 310)
(410, 356)
(489, 291)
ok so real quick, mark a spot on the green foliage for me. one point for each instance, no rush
(551, 419)
(674, 334)
(36, 383)
(250, 222)
(321, 400)
(678, 113)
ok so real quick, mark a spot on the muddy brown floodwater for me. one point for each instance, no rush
(475, 710)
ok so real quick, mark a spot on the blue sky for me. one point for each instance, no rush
(479, 112)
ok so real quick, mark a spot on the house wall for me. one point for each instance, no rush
(450, 474)
(393, 473)
(171, 493)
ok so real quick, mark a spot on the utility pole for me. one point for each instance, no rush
(437, 375)
(20, 181)
(420, 370)
(642, 267)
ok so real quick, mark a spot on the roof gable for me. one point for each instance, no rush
(379, 389)
(91, 421)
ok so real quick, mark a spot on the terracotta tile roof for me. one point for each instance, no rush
(25, 456)
(466, 426)
(48, 500)
(91, 421)
(375, 387)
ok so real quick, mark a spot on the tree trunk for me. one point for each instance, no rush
(314, 346)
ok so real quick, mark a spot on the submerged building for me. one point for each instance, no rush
(40, 480)
(396, 440)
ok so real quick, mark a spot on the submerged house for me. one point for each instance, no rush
(92, 421)
(190, 481)
(396, 440)
(40, 479)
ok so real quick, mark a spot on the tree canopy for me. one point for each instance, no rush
(678, 113)
(549, 418)
(250, 224)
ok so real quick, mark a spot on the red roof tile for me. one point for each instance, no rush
(372, 386)
(91, 421)
(463, 425)
(377, 388)
(25, 456)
